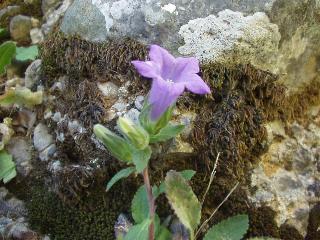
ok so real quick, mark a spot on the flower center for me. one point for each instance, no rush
(170, 81)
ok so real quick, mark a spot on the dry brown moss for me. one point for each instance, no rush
(79, 59)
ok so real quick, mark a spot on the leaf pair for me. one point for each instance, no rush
(8, 51)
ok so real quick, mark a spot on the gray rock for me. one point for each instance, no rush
(139, 102)
(287, 176)
(86, 20)
(108, 89)
(21, 151)
(20, 27)
(153, 21)
(32, 74)
(48, 152)
(36, 35)
(53, 17)
(41, 137)
(232, 37)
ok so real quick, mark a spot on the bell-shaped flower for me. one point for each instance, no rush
(171, 77)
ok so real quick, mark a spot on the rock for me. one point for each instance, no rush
(53, 17)
(288, 176)
(153, 21)
(108, 89)
(48, 5)
(232, 37)
(7, 13)
(138, 103)
(48, 152)
(21, 151)
(20, 27)
(32, 75)
(36, 35)
(41, 137)
(133, 115)
(85, 19)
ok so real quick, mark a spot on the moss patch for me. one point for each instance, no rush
(92, 218)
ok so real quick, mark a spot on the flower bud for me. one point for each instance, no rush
(135, 133)
(117, 146)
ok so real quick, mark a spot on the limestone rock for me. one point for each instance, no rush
(41, 137)
(232, 37)
(53, 17)
(32, 75)
(108, 89)
(84, 19)
(36, 35)
(288, 178)
(153, 21)
(20, 27)
(21, 151)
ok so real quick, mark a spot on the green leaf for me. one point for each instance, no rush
(183, 201)
(21, 96)
(233, 228)
(141, 158)
(7, 167)
(119, 175)
(166, 133)
(153, 127)
(4, 33)
(139, 231)
(7, 52)
(164, 234)
(140, 205)
(27, 53)
(186, 174)
(117, 146)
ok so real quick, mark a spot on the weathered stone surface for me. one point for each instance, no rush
(53, 17)
(86, 20)
(41, 137)
(21, 151)
(288, 176)
(32, 75)
(232, 37)
(20, 27)
(151, 21)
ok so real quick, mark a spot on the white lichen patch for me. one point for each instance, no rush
(287, 178)
(171, 8)
(232, 37)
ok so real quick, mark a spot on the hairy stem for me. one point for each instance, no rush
(151, 201)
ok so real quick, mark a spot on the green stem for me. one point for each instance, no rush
(151, 202)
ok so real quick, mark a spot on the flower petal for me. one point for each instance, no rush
(196, 85)
(164, 59)
(162, 95)
(185, 66)
(147, 69)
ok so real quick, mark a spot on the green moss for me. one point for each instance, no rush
(91, 218)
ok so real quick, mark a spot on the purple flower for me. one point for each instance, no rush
(171, 76)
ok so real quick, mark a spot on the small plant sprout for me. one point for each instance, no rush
(171, 77)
